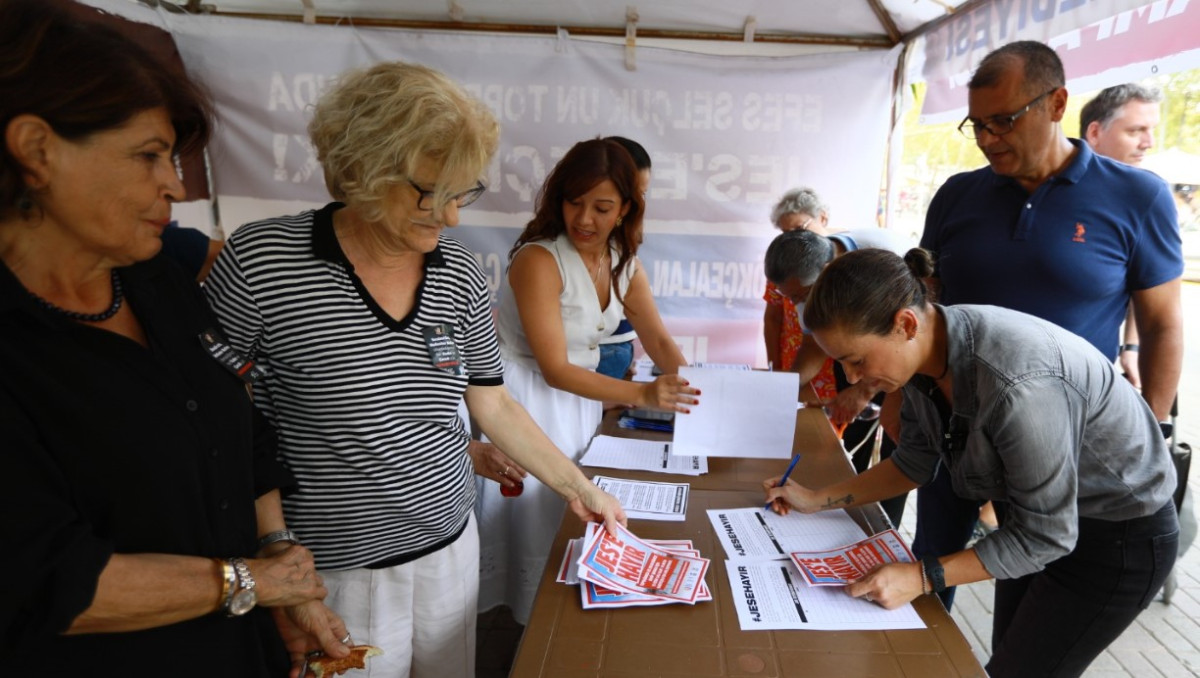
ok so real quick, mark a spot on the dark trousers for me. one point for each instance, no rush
(1055, 622)
(944, 523)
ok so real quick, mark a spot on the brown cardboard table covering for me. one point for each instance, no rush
(564, 641)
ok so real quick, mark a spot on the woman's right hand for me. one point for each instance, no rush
(790, 496)
(287, 578)
(593, 504)
(669, 392)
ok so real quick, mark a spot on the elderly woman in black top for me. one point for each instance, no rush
(140, 482)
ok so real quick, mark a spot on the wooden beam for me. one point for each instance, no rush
(950, 14)
(863, 41)
(885, 19)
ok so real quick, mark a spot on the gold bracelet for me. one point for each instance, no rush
(924, 581)
(228, 579)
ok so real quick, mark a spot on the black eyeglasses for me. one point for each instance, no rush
(998, 125)
(425, 198)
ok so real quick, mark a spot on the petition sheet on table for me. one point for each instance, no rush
(756, 534)
(771, 596)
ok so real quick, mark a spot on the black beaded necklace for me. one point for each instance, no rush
(117, 295)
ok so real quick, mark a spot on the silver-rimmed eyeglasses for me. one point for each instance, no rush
(997, 125)
(425, 198)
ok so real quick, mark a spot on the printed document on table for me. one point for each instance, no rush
(740, 414)
(647, 500)
(640, 455)
(755, 534)
(769, 596)
(840, 566)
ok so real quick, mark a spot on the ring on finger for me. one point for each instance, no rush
(346, 640)
(504, 472)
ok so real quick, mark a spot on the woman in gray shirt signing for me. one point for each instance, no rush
(1020, 412)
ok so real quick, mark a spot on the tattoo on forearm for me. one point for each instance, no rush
(832, 502)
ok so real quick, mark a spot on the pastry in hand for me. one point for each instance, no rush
(324, 665)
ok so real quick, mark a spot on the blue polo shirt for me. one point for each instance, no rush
(1071, 252)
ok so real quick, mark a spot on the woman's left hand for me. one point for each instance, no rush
(493, 464)
(889, 586)
(670, 393)
(593, 504)
(849, 402)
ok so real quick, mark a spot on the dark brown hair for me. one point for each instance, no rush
(861, 291)
(82, 78)
(583, 167)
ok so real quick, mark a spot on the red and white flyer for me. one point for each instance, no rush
(847, 564)
(629, 564)
(593, 596)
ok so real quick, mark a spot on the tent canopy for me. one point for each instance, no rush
(866, 23)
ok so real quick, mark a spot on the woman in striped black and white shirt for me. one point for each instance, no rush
(372, 327)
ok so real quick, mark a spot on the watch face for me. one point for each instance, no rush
(243, 601)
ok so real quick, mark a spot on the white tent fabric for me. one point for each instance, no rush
(727, 135)
(1174, 165)
(825, 18)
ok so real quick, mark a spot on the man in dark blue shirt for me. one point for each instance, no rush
(1051, 229)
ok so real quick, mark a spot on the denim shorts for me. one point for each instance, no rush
(615, 359)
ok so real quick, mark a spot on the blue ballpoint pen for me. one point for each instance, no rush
(783, 480)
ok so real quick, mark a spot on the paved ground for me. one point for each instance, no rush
(1163, 642)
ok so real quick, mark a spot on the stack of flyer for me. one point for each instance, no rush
(626, 571)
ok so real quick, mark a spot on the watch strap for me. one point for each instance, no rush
(933, 570)
(245, 580)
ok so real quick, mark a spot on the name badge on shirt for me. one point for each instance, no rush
(241, 367)
(443, 352)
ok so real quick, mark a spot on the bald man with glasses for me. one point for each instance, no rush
(1052, 229)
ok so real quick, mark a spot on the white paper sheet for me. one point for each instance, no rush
(772, 596)
(740, 414)
(755, 534)
(643, 370)
(640, 455)
(647, 500)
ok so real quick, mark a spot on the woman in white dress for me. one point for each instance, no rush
(573, 273)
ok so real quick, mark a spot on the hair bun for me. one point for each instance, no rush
(920, 262)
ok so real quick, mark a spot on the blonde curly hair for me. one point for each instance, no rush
(376, 125)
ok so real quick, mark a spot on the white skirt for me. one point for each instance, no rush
(515, 533)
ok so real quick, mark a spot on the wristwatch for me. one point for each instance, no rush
(1167, 428)
(244, 599)
(935, 572)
